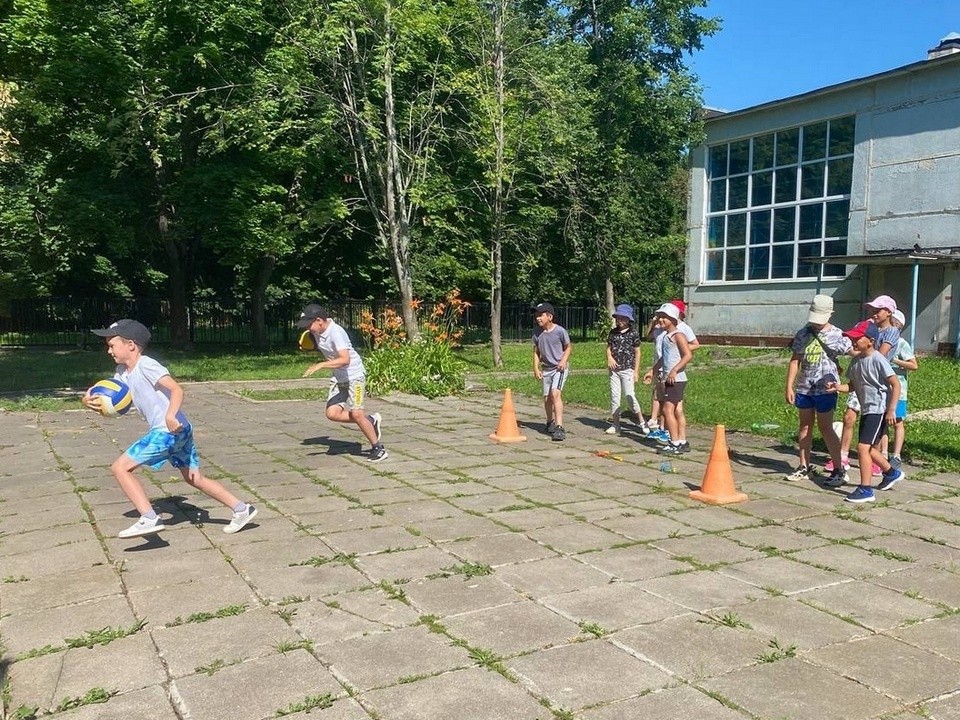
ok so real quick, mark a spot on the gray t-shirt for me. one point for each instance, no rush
(551, 345)
(330, 343)
(868, 378)
(669, 353)
(818, 366)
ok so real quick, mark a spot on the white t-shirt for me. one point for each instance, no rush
(330, 343)
(151, 402)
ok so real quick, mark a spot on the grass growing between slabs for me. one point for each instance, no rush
(736, 387)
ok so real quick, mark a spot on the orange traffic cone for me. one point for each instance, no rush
(718, 487)
(507, 429)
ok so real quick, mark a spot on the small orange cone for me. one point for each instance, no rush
(717, 487)
(507, 429)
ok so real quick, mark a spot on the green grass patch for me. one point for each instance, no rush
(103, 636)
(311, 702)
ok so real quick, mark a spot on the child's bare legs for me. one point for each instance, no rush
(825, 423)
(863, 459)
(681, 422)
(849, 420)
(338, 413)
(122, 469)
(805, 435)
(555, 410)
(899, 435)
(210, 488)
(670, 419)
(655, 407)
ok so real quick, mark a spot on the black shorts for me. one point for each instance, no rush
(872, 428)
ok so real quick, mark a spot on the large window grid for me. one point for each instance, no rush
(777, 200)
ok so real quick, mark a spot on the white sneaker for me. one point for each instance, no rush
(143, 526)
(801, 473)
(612, 430)
(376, 421)
(240, 519)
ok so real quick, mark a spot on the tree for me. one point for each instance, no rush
(646, 114)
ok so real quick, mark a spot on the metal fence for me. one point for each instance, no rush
(65, 321)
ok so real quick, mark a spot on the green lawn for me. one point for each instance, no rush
(736, 387)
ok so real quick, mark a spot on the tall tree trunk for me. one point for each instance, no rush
(179, 295)
(258, 301)
(497, 226)
(608, 298)
(397, 201)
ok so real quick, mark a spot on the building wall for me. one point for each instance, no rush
(905, 190)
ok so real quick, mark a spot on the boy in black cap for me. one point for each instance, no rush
(157, 397)
(348, 384)
(551, 355)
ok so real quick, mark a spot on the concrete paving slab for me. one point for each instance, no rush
(121, 666)
(798, 690)
(497, 550)
(510, 629)
(674, 702)
(586, 673)
(940, 635)
(875, 607)
(127, 705)
(456, 594)
(388, 658)
(893, 668)
(571, 538)
(694, 646)
(781, 574)
(637, 562)
(255, 689)
(25, 631)
(475, 693)
(187, 649)
(613, 606)
(795, 623)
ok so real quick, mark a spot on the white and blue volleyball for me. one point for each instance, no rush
(115, 397)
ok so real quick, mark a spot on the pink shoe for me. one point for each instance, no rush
(829, 466)
(876, 471)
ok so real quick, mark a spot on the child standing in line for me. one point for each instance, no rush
(158, 398)
(904, 361)
(657, 428)
(816, 347)
(674, 355)
(349, 380)
(551, 356)
(623, 362)
(880, 310)
(872, 378)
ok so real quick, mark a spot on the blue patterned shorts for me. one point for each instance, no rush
(160, 446)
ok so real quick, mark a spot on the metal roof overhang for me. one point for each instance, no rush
(901, 258)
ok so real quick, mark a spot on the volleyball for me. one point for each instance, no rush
(115, 397)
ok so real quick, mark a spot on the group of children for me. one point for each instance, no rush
(877, 387)
(876, 383)
(674, 343)
(158, 397)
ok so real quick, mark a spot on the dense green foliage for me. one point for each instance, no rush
(285, 150)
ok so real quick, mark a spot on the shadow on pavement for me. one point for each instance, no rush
(334, 447)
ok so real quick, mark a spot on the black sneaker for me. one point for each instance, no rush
(377, 453)
(559, 435)
(551, 428)
(683, 447)
(670, 449)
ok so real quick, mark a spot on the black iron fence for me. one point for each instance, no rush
(65, 321)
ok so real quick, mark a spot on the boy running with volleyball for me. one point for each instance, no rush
(157, 397)
(348, 384)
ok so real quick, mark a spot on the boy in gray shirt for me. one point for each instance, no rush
(551, 354)
(872, 378)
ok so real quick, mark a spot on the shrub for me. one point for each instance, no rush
(427, 367)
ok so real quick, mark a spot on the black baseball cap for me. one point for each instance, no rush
(310, 313)
(127, 329)
(544, 308)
